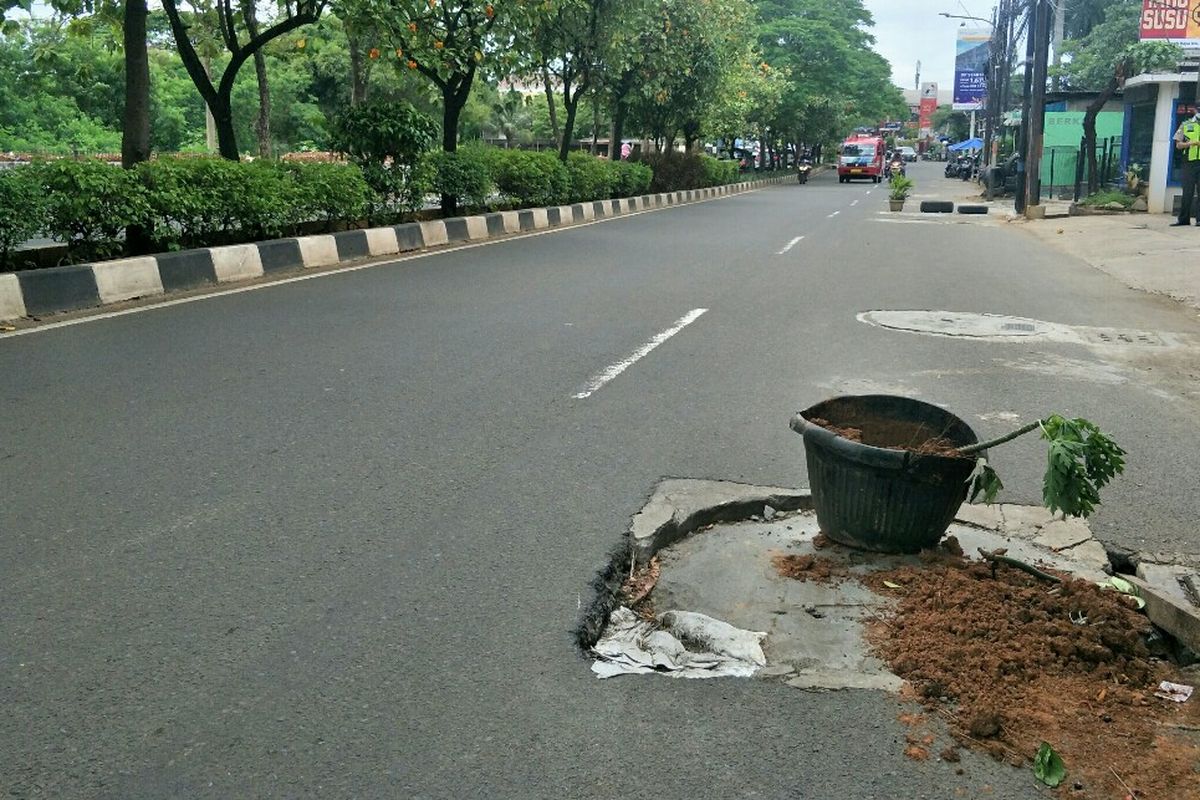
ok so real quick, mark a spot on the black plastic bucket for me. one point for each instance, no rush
(873, 495)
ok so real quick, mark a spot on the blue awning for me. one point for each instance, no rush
(969, 144)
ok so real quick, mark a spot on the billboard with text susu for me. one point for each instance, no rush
(1172, 20)
(970, 68)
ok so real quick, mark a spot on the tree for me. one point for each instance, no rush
(564, 43)
(510, 116)
(262, 128)
(228, 20)
(1107, 56)
(827, 50)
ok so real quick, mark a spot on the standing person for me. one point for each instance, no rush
(1187, 139)
(626, 149)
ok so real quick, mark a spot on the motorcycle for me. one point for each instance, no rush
(893, 168)
(803, 170)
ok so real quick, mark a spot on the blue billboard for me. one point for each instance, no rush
(970, 68)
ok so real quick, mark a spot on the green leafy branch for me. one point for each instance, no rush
(1081, 460)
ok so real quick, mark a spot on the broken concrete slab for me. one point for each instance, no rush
(680, 506)
(1090, 553)
(820, 679)
(1179, 619)
(981, 516)
(1172, 580)
(1024, 521)
(1060, 534)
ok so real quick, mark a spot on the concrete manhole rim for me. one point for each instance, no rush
(992, 327)
(679, 507)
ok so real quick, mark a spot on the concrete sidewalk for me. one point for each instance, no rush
(1140, 250)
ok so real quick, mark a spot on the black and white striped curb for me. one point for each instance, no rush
(57, 289)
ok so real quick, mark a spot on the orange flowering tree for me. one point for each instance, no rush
(444, 41)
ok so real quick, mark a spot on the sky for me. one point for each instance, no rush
(910, 30)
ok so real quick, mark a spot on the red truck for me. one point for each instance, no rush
(861, 157)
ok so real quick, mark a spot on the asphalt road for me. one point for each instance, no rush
(328, 539)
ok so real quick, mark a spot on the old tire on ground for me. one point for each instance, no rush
(868, 494)
(937, 207)
(972, 209)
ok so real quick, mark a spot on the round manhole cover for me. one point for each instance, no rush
(959, 323)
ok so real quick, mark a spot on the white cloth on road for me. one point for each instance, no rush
(682, 644)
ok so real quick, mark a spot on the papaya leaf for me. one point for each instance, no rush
(1048, 766)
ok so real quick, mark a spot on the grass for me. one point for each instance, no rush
(1106, 197)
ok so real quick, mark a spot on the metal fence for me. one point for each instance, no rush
(1064, 168)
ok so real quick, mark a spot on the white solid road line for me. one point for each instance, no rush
(789, 245)
(637, 355)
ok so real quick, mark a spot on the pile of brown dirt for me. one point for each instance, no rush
(896, 436)
(1002, 662)
(808, 568)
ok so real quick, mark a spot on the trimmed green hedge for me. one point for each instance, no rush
(674, 171)
(184, 202)
(525, 178)
(21, 209)
(203, 201)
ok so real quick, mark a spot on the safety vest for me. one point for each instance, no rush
(1191, 133)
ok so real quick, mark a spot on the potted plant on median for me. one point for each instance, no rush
(889, 473)
(900, 186)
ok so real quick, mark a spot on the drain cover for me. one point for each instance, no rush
(1114, 336)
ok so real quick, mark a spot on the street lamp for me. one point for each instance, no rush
(967, 16)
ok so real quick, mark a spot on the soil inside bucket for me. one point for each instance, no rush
(1009, 662)
(891, 434)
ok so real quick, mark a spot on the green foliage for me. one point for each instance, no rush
(1108, 196)
(632, 179)
(89, 204)
(196, 202)
(717, 172)
(463, 174)
(204, 201)
(1081, 461)
(1109, 46)
(986, 483)
(899, 186)
(675, 170)
(1048, 766)
(328, 192)
(386, 139)
(21, 203)
(591, 178)
(526, 178)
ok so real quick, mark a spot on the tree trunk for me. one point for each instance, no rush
(222, 114)
(135, 132)
(618, 128)
(570, 106)
(1089, 128)
(550, 102)
(453, 100)
(596, 125)
(262, 126)
(358, 67)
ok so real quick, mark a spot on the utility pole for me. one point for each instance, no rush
(1023, 136)
(1040, 36)
(917, 80)
(1060, 24)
